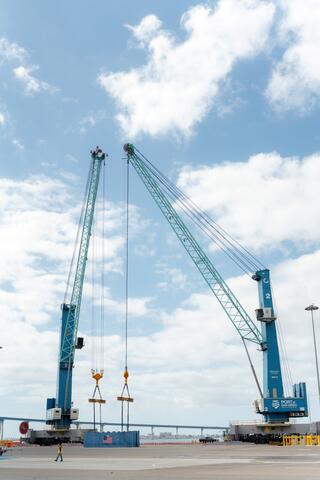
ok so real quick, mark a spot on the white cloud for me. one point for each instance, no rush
(173, 278)
(37, 236)
(10, 51)
(2, 119)
(264, 202)
(71, 158)
(29, 233)
(90, 120)
(137, 306)
(18, 144)
(38, 223)
(177, 86)
(195, 344)
(69, 176)
(295, 81)
(30, 82)
(48, 164)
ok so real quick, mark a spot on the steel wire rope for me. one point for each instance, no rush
(127, 265)
(180, 193)
(93, 295)
(126, 373)
(173, 193)
(198, 217)
(284, 365)
(233, 256)
(227, 238)
(204, 228)
(212, 234)
(284, 354)
(285, 369)
(246, 272)
(183, 200)
(127, 286)
(80, 227)
(238, 261)
(252, 367)
(102, 298)
(196, 207)
(80, 223)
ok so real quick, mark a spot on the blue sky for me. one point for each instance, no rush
(223, 97)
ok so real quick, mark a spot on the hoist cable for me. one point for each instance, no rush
(236, 245)
(93, 286)
(252, 368)
(125, 388)
(284, 364)
(232, 245)
(98, 281)
(102, 319)
(127, 265)
(209, 223)
(212, 233)
(158, 173)
(212, 236)
(284, 354)
(79, 230)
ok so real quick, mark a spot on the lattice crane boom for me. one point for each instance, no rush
(273, 405)
(59, 410)
(230, 304)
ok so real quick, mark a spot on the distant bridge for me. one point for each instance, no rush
(152, 426)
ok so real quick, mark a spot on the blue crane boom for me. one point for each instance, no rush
(273, 405)
(60, 412)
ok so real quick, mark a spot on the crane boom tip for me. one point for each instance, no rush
(128, 148)
(98, 153)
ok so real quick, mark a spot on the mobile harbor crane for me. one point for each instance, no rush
(275, 407)
(60, 410)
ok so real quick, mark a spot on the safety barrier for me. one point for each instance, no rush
(309, 440)
(10, 443)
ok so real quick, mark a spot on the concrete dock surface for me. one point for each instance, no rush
(164, 462)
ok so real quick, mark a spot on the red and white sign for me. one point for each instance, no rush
(23, 428)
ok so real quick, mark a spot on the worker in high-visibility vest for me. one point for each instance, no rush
(59, 452)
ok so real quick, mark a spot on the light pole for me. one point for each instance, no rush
(311, 309)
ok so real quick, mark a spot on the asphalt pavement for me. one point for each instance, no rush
(164, 462)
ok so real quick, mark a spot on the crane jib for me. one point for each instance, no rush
(273, 405)
(233, 308)
(59, 409)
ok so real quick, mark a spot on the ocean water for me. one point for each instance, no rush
(168, 440)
